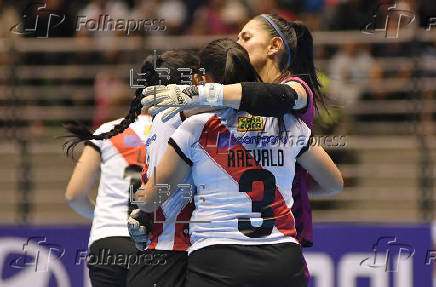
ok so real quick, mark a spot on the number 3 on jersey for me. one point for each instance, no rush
(263, 205)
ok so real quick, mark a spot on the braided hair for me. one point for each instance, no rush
(172, 60)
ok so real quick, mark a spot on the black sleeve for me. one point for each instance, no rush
(267, 99)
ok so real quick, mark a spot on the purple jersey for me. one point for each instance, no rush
(301, 208)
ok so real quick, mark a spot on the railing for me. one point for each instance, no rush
(387, 163)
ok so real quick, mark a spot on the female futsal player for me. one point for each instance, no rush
(282, 54)
(242, 229)
(169, 232)
(279, 51)
(119, 162)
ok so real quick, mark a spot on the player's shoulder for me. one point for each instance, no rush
(173, 122)
(289, 80)
(146, 119)
(294, 123)
(141, 122)
(198, 119)
(292, 79)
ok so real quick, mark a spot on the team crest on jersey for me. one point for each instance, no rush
(250, 124)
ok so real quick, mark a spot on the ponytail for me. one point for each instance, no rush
(237, 67)
(300, 42)
(80, 133)
(303, 63)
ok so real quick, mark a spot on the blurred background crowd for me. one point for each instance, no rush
(376, 60)
(215, 17)
(381, 85)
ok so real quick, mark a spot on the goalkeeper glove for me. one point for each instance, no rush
(175, 98)
(139, 224)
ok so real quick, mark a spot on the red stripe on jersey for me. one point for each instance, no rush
(133, 154)
(182, 239)
(157, 228)
(284, 221)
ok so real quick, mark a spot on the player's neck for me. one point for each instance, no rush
(270, 73)
(144, 111)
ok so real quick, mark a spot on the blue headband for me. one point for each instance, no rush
(280, 34)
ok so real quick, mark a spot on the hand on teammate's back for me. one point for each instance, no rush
(176, 98)
(139, 224)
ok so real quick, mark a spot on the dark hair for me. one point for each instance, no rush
(171, 60)
(237, 66)
(227, 62)
(300, 43)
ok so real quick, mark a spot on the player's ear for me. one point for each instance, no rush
(196, 80)
(274, 46)
(207, 79)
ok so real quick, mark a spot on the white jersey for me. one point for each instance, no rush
(243, 169)
(122, 159)
(170, 228)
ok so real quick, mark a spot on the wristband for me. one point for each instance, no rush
(210, 94)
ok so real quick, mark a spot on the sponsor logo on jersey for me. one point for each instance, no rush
(228, 140)
(250, 124)
(150, 140)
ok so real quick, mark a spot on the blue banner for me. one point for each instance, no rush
(343, 256)
(44, 256)
(371, 256)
